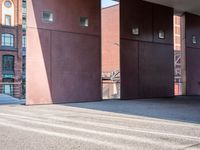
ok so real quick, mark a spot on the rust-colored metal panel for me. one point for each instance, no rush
(156, 71)
(163, 21)
(136, 13)
(147, 68)
(75, 67)
(63, 57)
(192, 28)
(193, 71)
(129, 69)
(66, 14)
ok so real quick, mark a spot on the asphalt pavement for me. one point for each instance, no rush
(6, 99)
(107, 125)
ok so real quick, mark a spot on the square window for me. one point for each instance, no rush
(135, 31)
(161, 34)
(194, 40)
(48, 16)
(84, 21)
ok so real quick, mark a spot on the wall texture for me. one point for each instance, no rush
(192, 28)
(147, 62)
(63, 58)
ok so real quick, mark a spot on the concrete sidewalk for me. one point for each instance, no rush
(6, 99)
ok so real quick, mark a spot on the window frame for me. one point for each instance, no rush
(84, 21)
(5, 20)
(45, 20)
(8, 64)
(23, 41)
(11, 39)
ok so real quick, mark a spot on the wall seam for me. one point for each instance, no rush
(62, 31)
(51, 80)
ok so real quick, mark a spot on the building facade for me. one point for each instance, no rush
(64, 42)
(11, 47)
(110, 52)
(23, 48)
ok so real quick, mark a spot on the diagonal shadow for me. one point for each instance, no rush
(182, 108)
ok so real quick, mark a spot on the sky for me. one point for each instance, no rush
(107, 3)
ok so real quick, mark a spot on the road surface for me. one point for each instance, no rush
(109, 125)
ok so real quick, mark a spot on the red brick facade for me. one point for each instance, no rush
(110, 39)
(15, 30)
(110, 52)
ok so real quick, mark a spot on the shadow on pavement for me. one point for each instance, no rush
(9, 100)
(183, 108)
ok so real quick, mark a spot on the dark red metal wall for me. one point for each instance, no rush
(147, 62)
(192, 28)
(63, 58)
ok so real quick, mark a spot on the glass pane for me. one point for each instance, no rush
(8, 20)
(84, 22)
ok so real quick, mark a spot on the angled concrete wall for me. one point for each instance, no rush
(63, 58)
(192, 29)
(147, 62)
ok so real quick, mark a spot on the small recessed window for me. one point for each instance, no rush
(84, 21)
(135, 31)
(194, 40)
(161, 34)
(48, 16)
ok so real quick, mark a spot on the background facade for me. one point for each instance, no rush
(11, 47)
(110, 52)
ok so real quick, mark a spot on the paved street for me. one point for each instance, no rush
(6, 99)
(159, 124)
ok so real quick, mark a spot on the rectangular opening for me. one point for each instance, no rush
(179, 56)
(110, 49)
(84, 21)
(47, 16)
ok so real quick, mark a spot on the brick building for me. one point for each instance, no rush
(178, 81)
(110, 52)
(11, 47)
(110, 38)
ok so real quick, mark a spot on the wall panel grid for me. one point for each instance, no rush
(147, 56)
